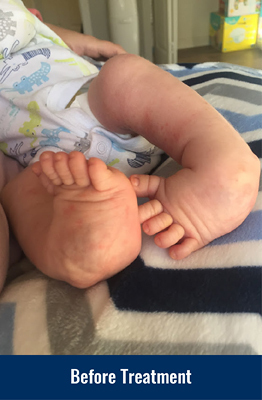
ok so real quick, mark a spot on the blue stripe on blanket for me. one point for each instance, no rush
(221, 74)
(250, 229)
(242, 123)
(256, 147)
(146, 289)
(185, 72)
(216, 68)
(188, 65)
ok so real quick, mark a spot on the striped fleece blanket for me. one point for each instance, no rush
(208, 303)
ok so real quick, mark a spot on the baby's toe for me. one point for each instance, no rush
(62, 168)
(104, 178)
(170, 236)
(184, 249)
(36, 168)
(78, 167)
(48, 167)
(145, 185)
(149, 210)
(47, 183)
(157, 223)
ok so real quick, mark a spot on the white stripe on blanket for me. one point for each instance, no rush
(240, 254)
(252, 136)
(180, 328)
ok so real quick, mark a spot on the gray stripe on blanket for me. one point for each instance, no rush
(232, 91)
(69, 319)
(71, 331)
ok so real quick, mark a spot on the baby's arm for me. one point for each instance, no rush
(86, 45)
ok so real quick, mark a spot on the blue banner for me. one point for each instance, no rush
(130, 377)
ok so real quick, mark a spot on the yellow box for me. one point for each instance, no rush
(233, 33)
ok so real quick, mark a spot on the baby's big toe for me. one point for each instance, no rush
(145, 185)
(102, 177)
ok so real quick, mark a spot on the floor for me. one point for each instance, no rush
(249, 58)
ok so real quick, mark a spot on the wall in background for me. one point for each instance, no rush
(193, 22)
(63, 13)
(29, 3)
(99, 16)
(193, 18)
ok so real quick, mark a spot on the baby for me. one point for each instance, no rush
(76, 216)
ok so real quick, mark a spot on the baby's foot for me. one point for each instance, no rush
(189, 210)
(95, 230)
(160, 217)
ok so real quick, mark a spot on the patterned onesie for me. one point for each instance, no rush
(39, 76)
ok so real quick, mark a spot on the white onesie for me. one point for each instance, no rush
(39, 76)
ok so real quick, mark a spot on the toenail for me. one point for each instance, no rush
(145, 228)
(172, 254)
(72, 154)
(45, 156)
(135, 180)
(58, 156)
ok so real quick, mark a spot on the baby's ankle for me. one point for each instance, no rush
(241, 181)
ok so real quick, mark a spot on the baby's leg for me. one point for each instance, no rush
(218, 185)
(76, 220)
